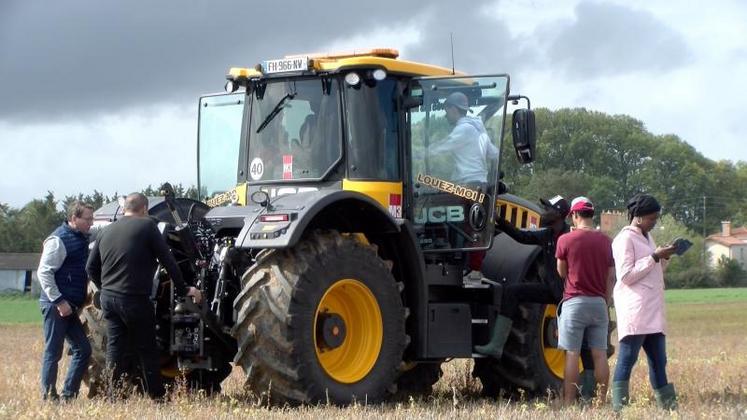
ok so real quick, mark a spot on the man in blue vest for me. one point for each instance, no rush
(63, 279)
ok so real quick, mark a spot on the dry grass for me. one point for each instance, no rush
(707, 348)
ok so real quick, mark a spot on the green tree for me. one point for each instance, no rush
(729, 273)
(24, 230)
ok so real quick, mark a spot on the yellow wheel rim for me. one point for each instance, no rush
(357, 307)
(554, 357)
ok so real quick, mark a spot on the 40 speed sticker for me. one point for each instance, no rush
(256, 169)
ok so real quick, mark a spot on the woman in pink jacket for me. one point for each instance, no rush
(639, 302)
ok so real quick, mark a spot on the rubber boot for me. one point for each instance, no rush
(620, 395)
(588, 385)
(498, 338)
(666, 397)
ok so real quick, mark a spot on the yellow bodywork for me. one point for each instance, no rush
(518, 215)
(377, 190)
(378, 58)
(236, 195)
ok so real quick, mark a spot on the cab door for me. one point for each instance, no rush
(456, 135)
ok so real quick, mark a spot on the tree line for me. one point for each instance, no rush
(24, 229)
(610, 158)
(606, 157)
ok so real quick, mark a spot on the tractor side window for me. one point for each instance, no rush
(373, 131)
(455, 138)
(219, 136)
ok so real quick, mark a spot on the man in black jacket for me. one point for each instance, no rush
(122, 264)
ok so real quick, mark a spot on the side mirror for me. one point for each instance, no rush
(524, 133)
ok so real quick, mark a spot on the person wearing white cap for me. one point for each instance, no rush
(585, 262)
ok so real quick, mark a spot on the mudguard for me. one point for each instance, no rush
(347, 211)
(509, 261)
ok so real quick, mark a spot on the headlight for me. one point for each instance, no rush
(352, 78)
(231, 86)
(379, 74)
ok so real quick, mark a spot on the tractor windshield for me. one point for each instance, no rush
(218, 139)
(294, 130)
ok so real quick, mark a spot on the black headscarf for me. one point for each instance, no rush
(641, 205)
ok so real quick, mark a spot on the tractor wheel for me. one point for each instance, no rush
(322, 321)
(531, 361)
(419, 380)
(94, 325)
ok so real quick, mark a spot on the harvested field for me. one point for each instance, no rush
(707, 348)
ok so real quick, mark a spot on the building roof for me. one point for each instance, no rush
(726, 240)
(19, 260)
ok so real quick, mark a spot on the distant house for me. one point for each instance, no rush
(730, 243)
(18, 271)
(610, 222)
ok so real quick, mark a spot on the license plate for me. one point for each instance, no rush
(284, 65)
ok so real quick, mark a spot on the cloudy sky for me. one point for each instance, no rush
(103, 95)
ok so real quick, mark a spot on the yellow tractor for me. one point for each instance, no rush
(335, 228)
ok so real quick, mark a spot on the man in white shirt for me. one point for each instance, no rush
(468, 142)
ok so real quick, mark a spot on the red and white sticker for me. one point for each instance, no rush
(395, 205)
(287, 166)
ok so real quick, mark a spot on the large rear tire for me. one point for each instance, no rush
(322, 321)
(94, 325)
(529, 361)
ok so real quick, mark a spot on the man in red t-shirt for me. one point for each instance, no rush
(585, 263)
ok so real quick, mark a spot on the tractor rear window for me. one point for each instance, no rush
(294, 131)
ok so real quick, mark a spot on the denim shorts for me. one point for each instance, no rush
(583, 314)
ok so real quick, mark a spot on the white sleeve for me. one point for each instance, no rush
(53, 255)
(457, 139)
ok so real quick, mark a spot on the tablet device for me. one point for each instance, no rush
(681, 245)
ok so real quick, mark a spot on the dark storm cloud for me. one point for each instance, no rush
(63, 59)
(607, 40)
(482, 44)
(66, 60)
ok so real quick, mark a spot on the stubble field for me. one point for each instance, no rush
(707, 348)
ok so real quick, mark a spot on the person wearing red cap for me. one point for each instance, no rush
(585, 262)
(549, 291)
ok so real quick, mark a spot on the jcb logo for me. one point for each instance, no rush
(440, 214)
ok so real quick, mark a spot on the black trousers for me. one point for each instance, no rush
(131, 325)
(516, 294)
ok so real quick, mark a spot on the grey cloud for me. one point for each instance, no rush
(63, 59)
(482, 44)
(608, 39)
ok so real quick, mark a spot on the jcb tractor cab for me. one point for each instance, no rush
(347, 194)
(360, 220)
